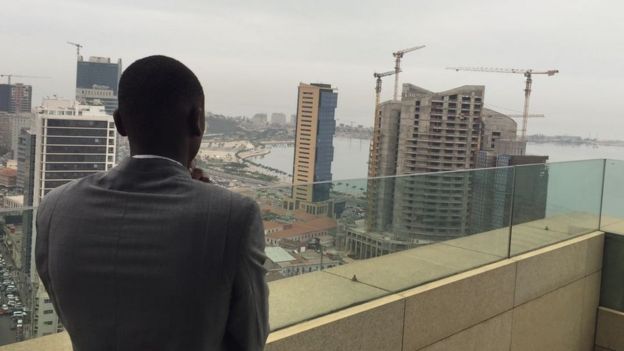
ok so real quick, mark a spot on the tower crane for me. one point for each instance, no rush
(372, 166)
(378, 76)
(397, 66)
(78, 47)
(527, 73)
(9, 76)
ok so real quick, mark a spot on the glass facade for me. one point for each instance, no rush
(324, 143)
(105, 75)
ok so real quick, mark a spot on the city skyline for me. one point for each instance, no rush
(579, 39)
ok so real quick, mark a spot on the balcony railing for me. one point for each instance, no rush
(353, 241)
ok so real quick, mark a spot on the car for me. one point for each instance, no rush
(5, 307)
(17, 314)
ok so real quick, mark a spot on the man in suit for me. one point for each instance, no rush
(144, 257)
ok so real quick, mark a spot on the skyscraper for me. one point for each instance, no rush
(11, 125)
(97, 81)
(314, 150)
(25, 181)
(15, 98)
(425, 132)
(72, 141)
(498, 138)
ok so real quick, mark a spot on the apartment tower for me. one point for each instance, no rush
(72, 141)
(314, 150)
(15, 98)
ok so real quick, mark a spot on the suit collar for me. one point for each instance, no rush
(152, 166)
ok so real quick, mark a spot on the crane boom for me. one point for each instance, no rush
(9, 76)
(398, 55)
(78, 47)
(378, 76)
(404, 51)
(384, 74)
(527, 73)
(503, 70)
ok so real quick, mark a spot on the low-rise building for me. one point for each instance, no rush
(8, 177)
(288, 263)
(302, 230)
(15, 201)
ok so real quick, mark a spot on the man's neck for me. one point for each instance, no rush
(182, 159)
(156, 156)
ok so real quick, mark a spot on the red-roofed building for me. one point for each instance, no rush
(302, 231)
(8, 177)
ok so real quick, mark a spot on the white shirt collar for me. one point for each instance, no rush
(157, 156)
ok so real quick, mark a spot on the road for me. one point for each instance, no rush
(7, 336)
(253, 182)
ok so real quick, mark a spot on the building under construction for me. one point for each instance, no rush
(427, 132)
(15, 98)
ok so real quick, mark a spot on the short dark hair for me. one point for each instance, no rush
(155, 88)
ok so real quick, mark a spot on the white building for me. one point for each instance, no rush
(46, 321)
(73, 141)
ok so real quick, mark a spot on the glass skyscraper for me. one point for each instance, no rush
(97, 82)
(314, 150)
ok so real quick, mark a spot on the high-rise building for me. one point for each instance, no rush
(73, 141)
(498, 138)
(314, 150)
(15, 98)
(293, 119)
(494, 188)
(425, 132)
(490, 206)
(11, 125)
(25, 181)
(383, 162)
(97, 82)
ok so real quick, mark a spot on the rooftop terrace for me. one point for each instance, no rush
(526, 280)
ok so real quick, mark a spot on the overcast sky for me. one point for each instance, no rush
(251, 55)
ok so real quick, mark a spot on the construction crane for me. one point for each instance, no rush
(9, 76)
(527, 73)
(78, 47)
(378, 76)
(397, 67)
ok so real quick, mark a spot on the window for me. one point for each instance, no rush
(48, 311)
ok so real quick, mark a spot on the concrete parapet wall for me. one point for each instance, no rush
(546, 299)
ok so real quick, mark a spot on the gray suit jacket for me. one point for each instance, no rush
(145, 258)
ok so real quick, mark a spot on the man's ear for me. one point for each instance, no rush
(197, 122)
(119, 124)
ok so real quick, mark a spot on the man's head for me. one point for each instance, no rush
(161, 108)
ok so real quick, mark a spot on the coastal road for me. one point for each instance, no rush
(224, 175)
